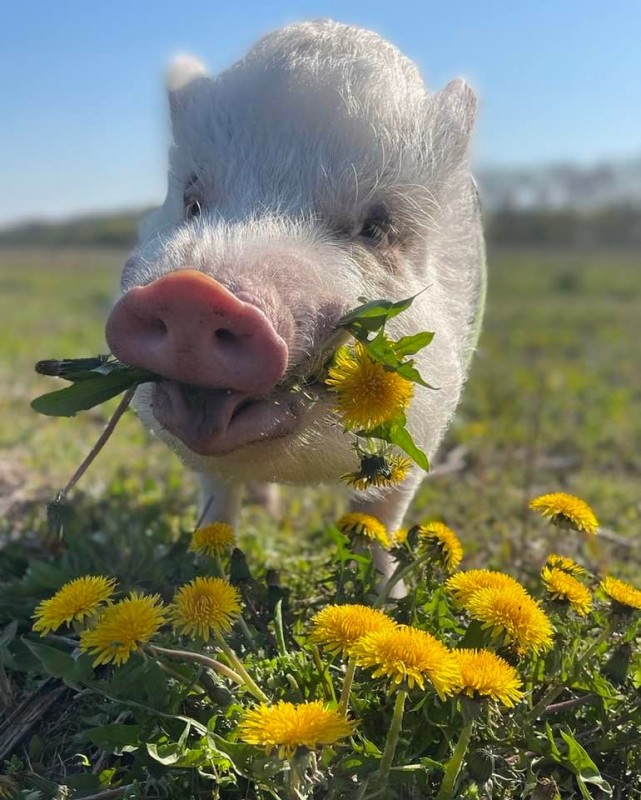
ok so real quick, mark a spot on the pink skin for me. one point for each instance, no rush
(190, 329)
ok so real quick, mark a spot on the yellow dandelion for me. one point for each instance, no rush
(368, 395)
(566, 588)
(555, 561)
(213, 540)
(288, 726)
(379, 471)
(122, 628)
(408, 654)
(356, 524)
(399, 537)
(621, 592)
(337, 628)
(76, 600)
(464, 584)
(205, 605)
(566, 511)
(512, 616)
(485, 674)
(445, 540)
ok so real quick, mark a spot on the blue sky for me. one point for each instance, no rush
(82, 114)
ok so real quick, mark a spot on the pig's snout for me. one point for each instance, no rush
(188, 327)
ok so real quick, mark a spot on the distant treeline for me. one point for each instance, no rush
(608, 227)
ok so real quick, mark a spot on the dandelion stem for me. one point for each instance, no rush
(238, 664)
(197, 658)
(453, 766)
(100, 443)
(397, 576)
(555, 690)
(279, 628)
(347, 686)
(392, 740)
(218, 566)
(297, 767)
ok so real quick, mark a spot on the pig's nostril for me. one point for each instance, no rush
(157, 325)
(226, 337)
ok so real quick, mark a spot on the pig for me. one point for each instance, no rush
(317, 170)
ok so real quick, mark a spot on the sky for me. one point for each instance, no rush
(82, 107)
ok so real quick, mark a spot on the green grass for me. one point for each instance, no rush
(552, 403)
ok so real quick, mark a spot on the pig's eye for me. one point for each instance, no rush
(378, 228)
(193, 209)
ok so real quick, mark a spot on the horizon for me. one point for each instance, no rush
(84, 115)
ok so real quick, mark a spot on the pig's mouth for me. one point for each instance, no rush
(212, 422)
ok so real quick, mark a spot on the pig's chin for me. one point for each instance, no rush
(212, 422)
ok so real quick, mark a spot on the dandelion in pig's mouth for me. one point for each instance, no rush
(408, 655)
(379, 471)
(205, 606)
(76, 600)
(566, 511)
(337, 628)
(484, 674)
(464, 585)
(286, 727)
(448, 548)
(364, 525)
(368, 395)
(512, 616)
(213, 540)
(622, 593)
(123, 627)
(566, 588)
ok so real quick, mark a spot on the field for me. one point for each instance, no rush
(552, 404)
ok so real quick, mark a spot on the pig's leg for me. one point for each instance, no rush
(390, 509)
(265, 495)
(219, 502)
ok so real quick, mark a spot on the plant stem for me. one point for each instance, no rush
(280, 629)
(297, 767)
(238, 664)
(453, 767)
(392, 740)
(556, 689)
(397, 576)
(347, 686)
(100, 443)
(197, 658)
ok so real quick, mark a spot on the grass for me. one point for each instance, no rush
(552, 404)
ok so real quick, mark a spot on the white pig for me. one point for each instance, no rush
(317, 170)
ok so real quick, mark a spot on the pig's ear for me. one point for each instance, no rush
(453, 115)
(184, 76)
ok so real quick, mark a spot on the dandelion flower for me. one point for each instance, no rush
(445, 540)
(488, 675)
(565, 563)
(288, 726)
(399, 537)
(513, 616)
(76, 600)
(363, 525)
(464, 584)
(622, 592)
(566, 588)
(566, 511)
(122, 628)
(213, 540)
(378, 470)
(337, 628)
(368, 395)
(408, 654)
(205, 605)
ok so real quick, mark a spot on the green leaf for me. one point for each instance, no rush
(56, 662)
(408, 345)
(401, 437)
(375, 313)
(584, 769)
(8, 633)
(115, 736)
(88, 393)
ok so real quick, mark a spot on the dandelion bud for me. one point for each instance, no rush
(480, 765)
(617, 666)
